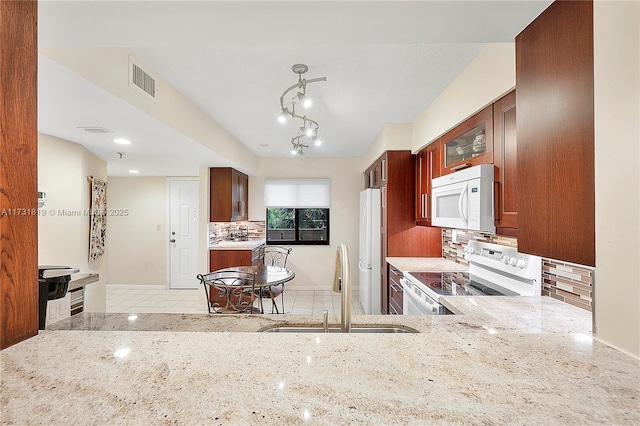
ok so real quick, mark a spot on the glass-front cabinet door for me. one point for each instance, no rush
(470, 143)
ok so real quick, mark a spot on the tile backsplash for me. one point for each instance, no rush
(455, 250)
(566, 282)
(220, 231)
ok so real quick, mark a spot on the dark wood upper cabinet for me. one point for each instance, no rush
(555, 159)
(376, 174)
(468, 144)
(505, 154)
(428, 166)
(229, 195)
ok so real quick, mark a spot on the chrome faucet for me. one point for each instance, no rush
(342, 284)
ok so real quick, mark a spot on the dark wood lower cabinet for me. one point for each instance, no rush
(395, 291)
(219, 259)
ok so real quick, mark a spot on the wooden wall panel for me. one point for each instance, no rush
(554, 80)
(18, 172)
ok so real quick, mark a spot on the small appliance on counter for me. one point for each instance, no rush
(53, 283)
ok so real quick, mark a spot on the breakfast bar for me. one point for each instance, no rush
(468, 368)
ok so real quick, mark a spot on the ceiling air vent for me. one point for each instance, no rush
(97, 130)
(141, 79)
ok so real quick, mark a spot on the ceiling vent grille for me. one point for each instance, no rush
(95, 130)
(141, 80)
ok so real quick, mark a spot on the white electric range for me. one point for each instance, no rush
(494, 270)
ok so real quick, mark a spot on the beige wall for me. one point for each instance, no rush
(393, 136)
(137, 241)
(63, 238)
(314, 265)
(490, 76)
(617, 126)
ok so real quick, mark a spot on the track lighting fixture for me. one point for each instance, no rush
(309, 128)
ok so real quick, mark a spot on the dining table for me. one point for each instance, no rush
(234, 289)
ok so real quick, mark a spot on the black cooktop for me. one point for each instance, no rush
(459, 284)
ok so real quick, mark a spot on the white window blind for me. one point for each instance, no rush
(297, 193)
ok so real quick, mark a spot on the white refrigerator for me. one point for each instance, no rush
(369, 253)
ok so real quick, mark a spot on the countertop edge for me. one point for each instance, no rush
(426, 264)
(237, 245)
(82, 280)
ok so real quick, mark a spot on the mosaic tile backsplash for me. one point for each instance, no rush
(566, 282)
(569, 283)
(221, 231)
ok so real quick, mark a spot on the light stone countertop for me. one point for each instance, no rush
(426, 264)
(504, 360)
(81, 280)
(237, 245)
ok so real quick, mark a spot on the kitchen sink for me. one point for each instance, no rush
(354, 329)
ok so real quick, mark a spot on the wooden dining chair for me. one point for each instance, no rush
(274, 257)
(226, 291)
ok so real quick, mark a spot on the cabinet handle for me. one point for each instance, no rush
(396, 287)
(496, 202)
(428, 203)
(430, 167)
(460, 166)
(384, 197)
(384, 170)
(372, 178)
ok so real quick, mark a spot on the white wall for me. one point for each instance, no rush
(314, 265)
(137, 241)
(63, 239)
(490, 76)
(617, 128)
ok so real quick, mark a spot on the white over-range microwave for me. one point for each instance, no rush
(464, 199)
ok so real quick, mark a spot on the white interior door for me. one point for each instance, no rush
(183, 233)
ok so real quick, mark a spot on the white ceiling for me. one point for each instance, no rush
(384, 62)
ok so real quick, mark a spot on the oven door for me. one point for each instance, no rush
(449, 206)
(417, 302)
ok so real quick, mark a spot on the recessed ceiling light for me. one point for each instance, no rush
(134, 171)
(264, 145)
(122, 141)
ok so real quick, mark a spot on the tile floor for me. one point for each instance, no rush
(132, 299)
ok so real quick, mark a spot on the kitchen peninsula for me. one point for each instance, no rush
(484, 365)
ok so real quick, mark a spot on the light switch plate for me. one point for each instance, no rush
(454, 236)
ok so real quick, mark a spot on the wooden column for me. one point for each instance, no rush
(18, 172)
(555, 127)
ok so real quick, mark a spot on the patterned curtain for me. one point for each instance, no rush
(98, 227)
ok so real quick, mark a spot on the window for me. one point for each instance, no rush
(297, 211)
(298, 226)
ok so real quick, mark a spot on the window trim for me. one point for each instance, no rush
(298, 241)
